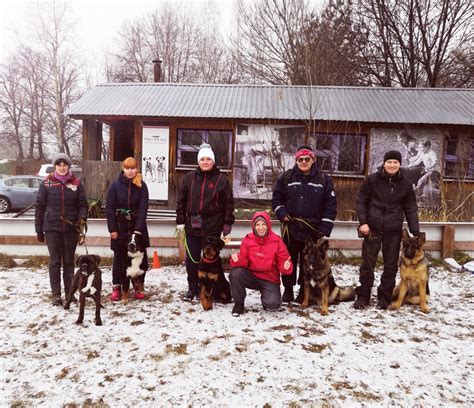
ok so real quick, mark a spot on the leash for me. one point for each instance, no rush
(305, 224)
(176, 234)
(81, 229)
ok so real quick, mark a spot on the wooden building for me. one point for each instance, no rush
(254, 130)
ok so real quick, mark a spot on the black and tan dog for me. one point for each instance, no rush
(319, 284)
(88, 280)
(213, 284)
(136, 267)
(414, 275)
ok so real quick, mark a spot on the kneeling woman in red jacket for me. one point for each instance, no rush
(262, 258)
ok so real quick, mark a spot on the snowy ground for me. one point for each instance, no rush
(164, 352)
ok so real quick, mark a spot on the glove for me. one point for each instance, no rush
(82, 221)
(40, 236)
(179, 227)
(226, 230)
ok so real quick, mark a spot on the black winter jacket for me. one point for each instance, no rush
(310, 197)
(383, 201)
(125, 195)
(208, 194)
(55, 200)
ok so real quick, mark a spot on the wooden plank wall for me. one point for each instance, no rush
(97, 174)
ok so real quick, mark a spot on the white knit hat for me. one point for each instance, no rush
(205, 150)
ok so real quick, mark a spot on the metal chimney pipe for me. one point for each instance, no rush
(157, 70)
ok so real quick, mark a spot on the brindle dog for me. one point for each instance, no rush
(214, 285)
(319, 284)
(414, 275)
(88, 280)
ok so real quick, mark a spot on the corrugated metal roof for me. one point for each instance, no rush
(353, 104)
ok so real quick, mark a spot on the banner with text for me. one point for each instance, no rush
(155, 148)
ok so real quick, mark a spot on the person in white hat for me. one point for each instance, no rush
(205, 207)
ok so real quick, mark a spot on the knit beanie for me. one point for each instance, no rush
(61, 157)
(393, 155)
(205, 150)
(304, 150)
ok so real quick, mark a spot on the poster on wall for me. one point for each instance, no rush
(421, 158)
(155, 160)
(262, 153)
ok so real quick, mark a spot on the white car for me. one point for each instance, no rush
(46, 169)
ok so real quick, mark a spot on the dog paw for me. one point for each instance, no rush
(124, 301)
(98, 322)
(425, 309)
(78, 321)
(304, 305)
(394, 306)
(324, 312)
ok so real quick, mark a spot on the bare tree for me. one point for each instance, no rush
(12, 101)
(191, 51)
(35, 74)
(55, 33)
(267, 43)
(407, 42)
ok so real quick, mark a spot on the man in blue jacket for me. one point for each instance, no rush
(305, 203)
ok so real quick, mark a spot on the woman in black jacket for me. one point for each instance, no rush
(205, 207)
(126, 209)
(384, 199)
(61, 206)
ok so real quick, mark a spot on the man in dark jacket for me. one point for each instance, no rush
(385, 197)
(205, 207)
(305, 202)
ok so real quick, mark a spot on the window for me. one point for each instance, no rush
(459, 158)
(339, 153)
(189, 141)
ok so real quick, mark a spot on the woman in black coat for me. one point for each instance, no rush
(126, 210)
(61, 206)
(205, 207)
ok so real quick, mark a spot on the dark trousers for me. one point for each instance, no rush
(194, 248)
(295, 248)
(242, 278)
(390, 244)
(119, 267)
(61, 248)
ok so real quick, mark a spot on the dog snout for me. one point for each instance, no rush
(132, 247)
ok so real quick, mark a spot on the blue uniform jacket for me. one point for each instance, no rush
(310, 197)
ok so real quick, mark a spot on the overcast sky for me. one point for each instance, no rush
(97, 20)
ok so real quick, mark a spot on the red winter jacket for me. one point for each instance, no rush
(264, 257)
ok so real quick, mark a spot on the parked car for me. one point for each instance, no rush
(18, 192)
(46, 169)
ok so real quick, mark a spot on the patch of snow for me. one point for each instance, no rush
(165, 352)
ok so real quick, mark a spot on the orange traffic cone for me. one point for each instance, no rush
(156, 261)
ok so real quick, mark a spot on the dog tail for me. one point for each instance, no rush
(346, 293)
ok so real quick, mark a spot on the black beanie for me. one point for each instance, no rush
(393, 155)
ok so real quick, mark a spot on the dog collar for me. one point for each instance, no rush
(205, 260)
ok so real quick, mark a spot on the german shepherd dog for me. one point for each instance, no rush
(213, 284)
(319, 285)
(137, 265)
(88, 280)
(414, 275)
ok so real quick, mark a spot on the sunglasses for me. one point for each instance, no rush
(306, 159)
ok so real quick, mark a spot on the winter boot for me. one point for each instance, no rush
(288, 295)
(237, 310)
(361, 303)
(115, 296)
(57, 301)
(193, 292)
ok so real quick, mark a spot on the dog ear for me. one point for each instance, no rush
(78, 260)
(309, 242)
(421, 238)
(97, 259)
(405, 234)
